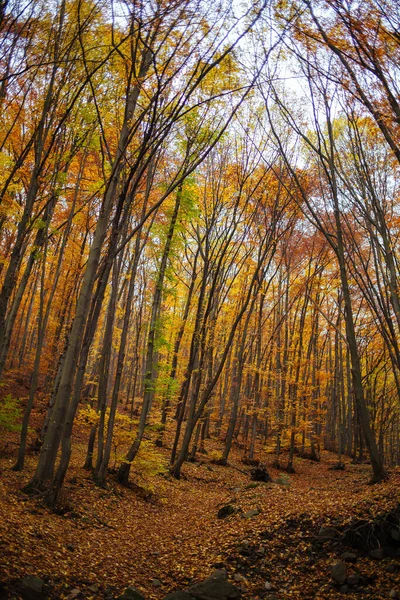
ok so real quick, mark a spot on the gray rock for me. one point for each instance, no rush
(74, 594)
(344, 589)
(131, 593)
(245, 548)
(377, 554)
(395, 534)
(338, 572)
(156, 583)
(268, 586)
(94, 588)
(353, 579)
(349, 557)
(328, 533)
(31, 588)
(238, 577)
(251, 513)
(226, 511)
(216, 587)
(391, 568)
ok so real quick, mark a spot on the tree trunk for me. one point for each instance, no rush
(149, 379)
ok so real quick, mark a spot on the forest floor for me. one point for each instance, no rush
(106, 539)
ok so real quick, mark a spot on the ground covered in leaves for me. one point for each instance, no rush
(271, 544)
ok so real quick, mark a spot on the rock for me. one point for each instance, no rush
(74, 594)
(353, 579)
(179, 596)
(338, 572)
(260, 551)
(131, 593)
(344, 589)
(268, 586)
(108, 593)
(395, 534)
(238, 577)
(260, 473)
(349, 557)
(391, 568)
(251, 513)
(337, 467)
(245, 548)
(156, 583)
(226, 511)
(216, 587)
(31, 588)
(328, 533)
(93, 588)
(377, 554)
(393, 594)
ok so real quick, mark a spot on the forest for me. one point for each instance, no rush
(199, 299)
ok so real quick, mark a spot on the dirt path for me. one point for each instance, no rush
(112, 538)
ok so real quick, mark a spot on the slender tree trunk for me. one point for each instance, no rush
(196, 409)
(19, 465)
(149, 380)
(104, 369)
(376, 461)
(178, 340)
(237, 384)
(102, 467)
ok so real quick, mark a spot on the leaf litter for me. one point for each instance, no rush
(107, 539)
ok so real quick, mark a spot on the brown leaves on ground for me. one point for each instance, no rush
(116, 537)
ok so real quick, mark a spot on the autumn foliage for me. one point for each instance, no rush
(198, 237)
